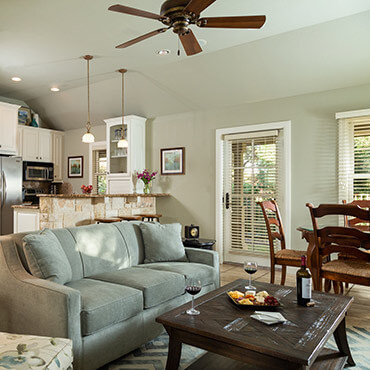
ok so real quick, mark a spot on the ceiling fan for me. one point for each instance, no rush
(180, 14)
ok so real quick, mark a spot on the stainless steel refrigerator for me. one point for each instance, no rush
(10, 191)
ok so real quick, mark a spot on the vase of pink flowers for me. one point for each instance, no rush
(146, 177)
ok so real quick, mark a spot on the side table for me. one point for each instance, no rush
(199, 243)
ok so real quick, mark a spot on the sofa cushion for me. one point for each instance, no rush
(162, 243)
(206, 274)
(104, 304)
(46, 258)
(131, 233)
(157, 286)
(68, 244)
(102, 248)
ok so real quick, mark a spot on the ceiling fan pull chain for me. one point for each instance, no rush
(178, 45)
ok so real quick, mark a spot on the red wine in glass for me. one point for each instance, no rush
(193, 290)
(250, 268)
(193, 287)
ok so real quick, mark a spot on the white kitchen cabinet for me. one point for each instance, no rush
(58, 155)
(26, 220)
(36, 144)
(123, 162)
(8, 128)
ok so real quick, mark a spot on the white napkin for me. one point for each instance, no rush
(269, 318)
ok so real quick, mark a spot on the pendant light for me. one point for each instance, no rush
(123, 143)
(88, 137)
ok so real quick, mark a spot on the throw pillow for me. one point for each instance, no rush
(46, 257)
(162, 243)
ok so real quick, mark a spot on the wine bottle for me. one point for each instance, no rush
(303, 283)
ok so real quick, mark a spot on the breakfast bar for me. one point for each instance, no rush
(68, 210)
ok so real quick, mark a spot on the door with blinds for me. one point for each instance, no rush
(252, 172)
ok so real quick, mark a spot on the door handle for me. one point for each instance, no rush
(1, 190)
(227, 200)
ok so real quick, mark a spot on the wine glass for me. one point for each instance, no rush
(250, 268)
(193, 287)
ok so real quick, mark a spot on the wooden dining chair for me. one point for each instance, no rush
(284, 257)
(349, 241)
(356, 222)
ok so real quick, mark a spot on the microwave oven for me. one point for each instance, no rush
(38, 171)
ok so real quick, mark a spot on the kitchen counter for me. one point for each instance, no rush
(25, 206)
(127, 195)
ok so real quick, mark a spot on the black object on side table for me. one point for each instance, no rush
(199, 243)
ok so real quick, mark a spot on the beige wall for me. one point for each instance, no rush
(314, 147)
(74, 147)
(314, 162)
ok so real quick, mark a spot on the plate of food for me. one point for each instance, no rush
(253, 300)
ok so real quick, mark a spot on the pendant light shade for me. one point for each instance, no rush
(123, 143)
(88, 137)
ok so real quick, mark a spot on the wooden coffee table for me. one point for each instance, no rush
(244, 343)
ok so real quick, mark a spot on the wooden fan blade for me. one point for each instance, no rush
(197, 6)
(190, 43)
(133, 11)
(141, 38)
(253, 21)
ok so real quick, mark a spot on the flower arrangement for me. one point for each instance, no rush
(87, 189)
(146, 177)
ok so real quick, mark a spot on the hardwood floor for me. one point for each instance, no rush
(358, 315)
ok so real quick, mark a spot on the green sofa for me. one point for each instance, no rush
(109, 307)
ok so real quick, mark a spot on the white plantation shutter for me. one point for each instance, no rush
(354, 159)
(99, 170)
(254, 174)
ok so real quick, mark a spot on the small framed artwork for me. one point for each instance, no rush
(76, 167)
(173, 161)
(24, 116)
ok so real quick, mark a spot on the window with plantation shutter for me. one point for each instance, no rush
(253, 172)
(99, 171)
(354, 159)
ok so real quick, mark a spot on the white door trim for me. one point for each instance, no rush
(99, 145)
(286, 127)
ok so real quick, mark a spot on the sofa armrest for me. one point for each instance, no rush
(205, 257)
(29, 305)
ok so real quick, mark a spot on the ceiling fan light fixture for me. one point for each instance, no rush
(88, 137)
(164, 52)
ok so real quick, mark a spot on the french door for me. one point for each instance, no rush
(252, 173)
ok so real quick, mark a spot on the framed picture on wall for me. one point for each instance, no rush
(75, 167)
(173, 161)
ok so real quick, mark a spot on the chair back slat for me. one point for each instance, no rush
(271, 215)
(339, 239)
(356, 222)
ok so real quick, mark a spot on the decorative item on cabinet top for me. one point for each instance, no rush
(24, 116)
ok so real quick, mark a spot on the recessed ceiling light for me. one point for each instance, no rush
(202, 42)
(164, 52)
(55, 89)
(16, 79)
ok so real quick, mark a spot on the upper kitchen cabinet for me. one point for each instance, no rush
(36, 144)
(122, 162)
(8, 128)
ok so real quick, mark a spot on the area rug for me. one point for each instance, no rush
(153, 355)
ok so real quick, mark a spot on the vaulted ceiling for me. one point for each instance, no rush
(305, 46)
